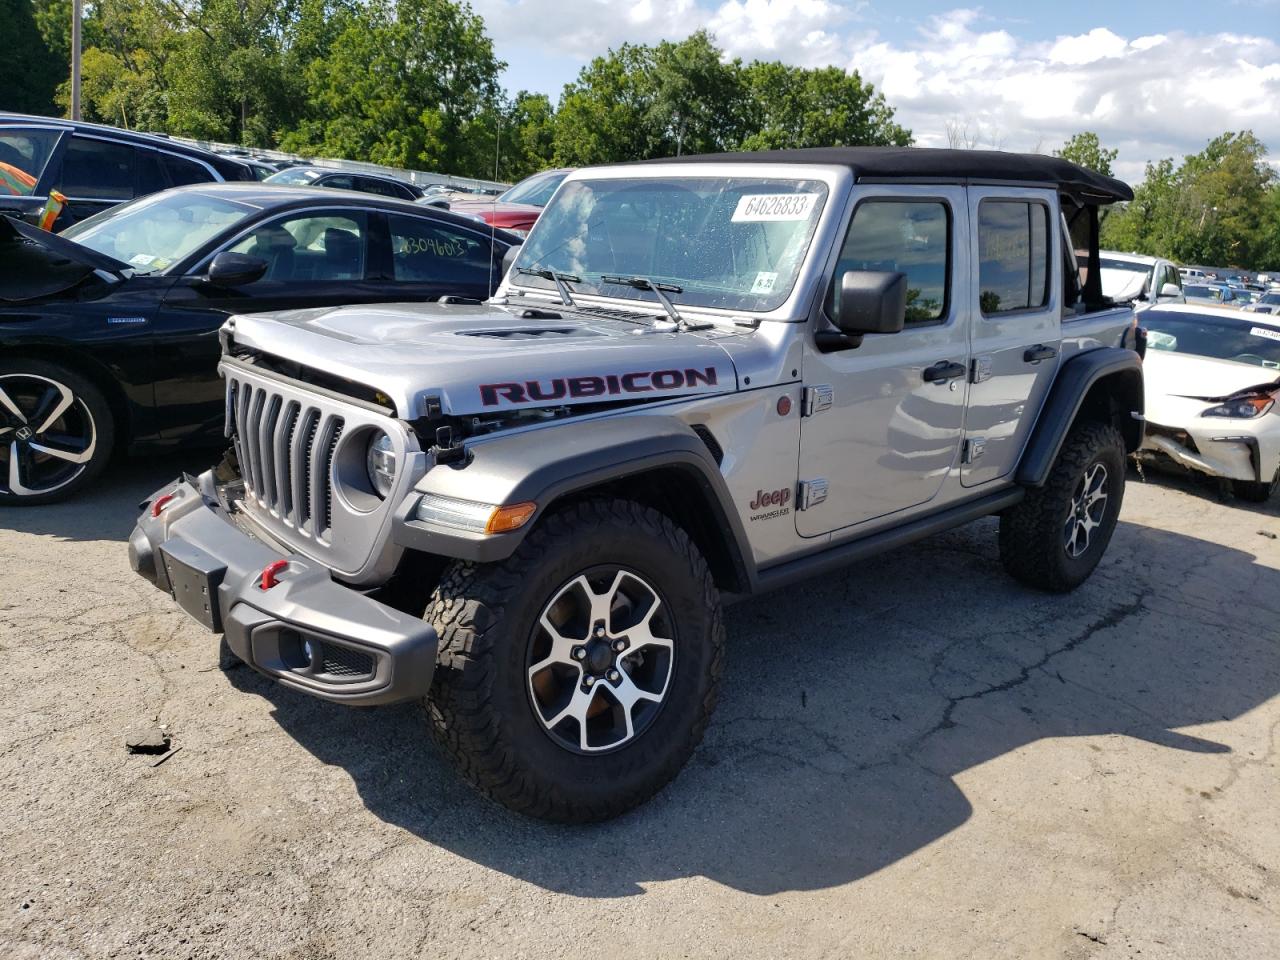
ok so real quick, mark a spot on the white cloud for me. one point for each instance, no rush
(1151, 96)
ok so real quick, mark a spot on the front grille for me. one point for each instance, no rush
(285, 448)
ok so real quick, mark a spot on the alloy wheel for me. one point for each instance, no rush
(600, 660)
(47, 435)
(1088, 509)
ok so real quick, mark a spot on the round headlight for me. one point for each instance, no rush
(381, 461)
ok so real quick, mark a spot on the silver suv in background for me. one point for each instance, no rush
(1141, 280)
(701, 379)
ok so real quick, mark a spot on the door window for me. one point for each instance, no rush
(902, 236)
(1013, 256)
(97, 170)
(23, 156)
(312, 247)
(428, 251)
(182, 172)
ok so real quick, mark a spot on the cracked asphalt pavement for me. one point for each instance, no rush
(914, 757)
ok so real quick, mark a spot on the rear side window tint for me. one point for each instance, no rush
(23, 156)
(1013, 256)
(425, 251)
(97, 170)
(182, 172)
(902, 236)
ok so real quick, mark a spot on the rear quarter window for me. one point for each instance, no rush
(1013, 256)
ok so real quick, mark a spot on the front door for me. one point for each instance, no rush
(891, 432)
(1016, 329)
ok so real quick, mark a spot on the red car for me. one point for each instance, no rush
(518, 208)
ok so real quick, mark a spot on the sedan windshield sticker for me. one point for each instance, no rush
(765, 207)
(1265, 332)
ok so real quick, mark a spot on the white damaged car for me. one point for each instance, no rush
(1212, 380)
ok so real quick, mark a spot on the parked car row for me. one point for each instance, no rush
(109, 330)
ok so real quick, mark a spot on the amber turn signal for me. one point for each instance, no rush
(511, 517)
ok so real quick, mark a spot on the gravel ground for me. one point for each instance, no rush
(913, 758)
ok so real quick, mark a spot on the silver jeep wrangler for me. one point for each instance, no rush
(701, 379)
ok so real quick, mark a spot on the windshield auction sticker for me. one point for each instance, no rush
(767, 207)
(1265, 332)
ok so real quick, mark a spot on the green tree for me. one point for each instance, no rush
(29, 70)
(791, 107)
(1217, 207)
(1086, 150)
(409, 83)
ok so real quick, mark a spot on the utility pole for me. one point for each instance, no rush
(75, 58)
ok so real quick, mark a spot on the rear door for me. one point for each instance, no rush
(883, 420)
(429, 258)
(1016, 330)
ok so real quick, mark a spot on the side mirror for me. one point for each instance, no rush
(871, 302)
(509, 258)
(440, 203)
(235, 269)
(1171, 290)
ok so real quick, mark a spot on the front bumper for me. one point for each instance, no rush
(1217, 451)
(308, 632)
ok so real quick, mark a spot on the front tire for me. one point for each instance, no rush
(1254, 491)
(57, 432)
(1055, 537)
(575, 678)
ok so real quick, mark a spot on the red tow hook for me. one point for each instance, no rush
(160, 503)
(271, 572)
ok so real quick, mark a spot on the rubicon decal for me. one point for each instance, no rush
(610, 385)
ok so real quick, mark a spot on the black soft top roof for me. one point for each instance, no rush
(917, 164)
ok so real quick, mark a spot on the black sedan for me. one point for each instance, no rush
(303, 176)
(109, 331)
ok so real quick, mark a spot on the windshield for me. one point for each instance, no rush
(1217, 339)
(731, 242)
(1199, 292)
(535, 190)
(1271, 298)
(294, 175)
(156, 232)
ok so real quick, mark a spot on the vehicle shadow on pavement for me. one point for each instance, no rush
(851, 705)
(96, 514)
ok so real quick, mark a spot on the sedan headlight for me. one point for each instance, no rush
(381, 463)
(1246, 408)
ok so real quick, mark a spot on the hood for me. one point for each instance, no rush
(1180, 386)
(35, 263)
(486, 359)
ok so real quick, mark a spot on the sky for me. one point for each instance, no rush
(1151, 79)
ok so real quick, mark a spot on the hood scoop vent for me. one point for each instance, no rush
(530, 333)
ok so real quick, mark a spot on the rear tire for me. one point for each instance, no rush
(1055, 537)
(1255, 492)
(500, 685)
(57, 432)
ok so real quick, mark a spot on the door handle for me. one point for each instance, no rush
(944, 370)
(1039, 352)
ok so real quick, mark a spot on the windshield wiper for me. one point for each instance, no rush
(561, 280)
(660, 290)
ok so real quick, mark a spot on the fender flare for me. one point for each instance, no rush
(1076, 378)
(546, 465)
